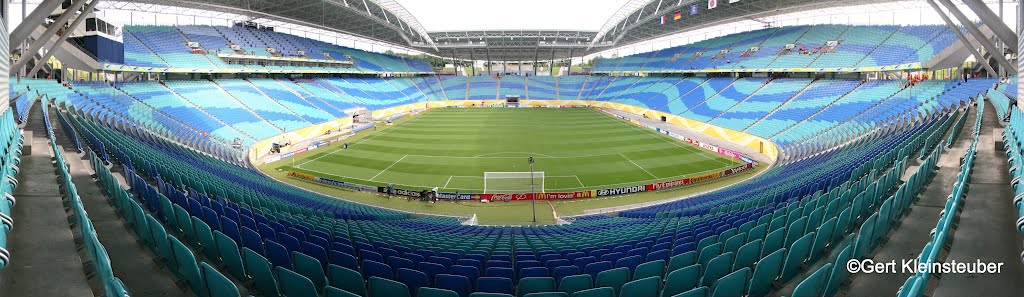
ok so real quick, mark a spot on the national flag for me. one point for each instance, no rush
(663, 20)
(693, 9)
(678, 15)
(712, 4)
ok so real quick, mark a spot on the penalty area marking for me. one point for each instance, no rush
(389, 167)
(638, 165)
(524, 153)
(361, 140)
(449, 181)
(579, 181)
(699, 151)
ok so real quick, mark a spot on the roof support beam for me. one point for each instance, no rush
(33, 21)
(985, 42)
(64, 37)
(993, 22)
(962, 38)
(43, 39)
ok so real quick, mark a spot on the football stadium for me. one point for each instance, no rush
(468, 148)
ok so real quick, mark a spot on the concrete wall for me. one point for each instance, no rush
(5, 66)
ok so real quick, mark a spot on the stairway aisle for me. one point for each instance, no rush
(986, 230)
(44, 258)
(135, 265)
(913, 232)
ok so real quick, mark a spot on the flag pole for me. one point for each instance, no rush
(533, 192)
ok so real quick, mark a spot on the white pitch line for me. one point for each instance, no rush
(524, 153)
(389, 167)
(361, 140)
(449, 181)
(579, 181)
(638, 165)
(699, 150)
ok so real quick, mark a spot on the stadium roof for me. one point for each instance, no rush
(642, 20)
(387, 21)
(383, 20)
(509, 45)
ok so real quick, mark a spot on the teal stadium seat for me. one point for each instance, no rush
(335, 292)
(293, 284)
(682, 280)
(696, 292)
(346, 279)
(384, 287)
(765, 273)
(572, 284)
(434, 292)
(814, 284)
(188, 267)
(260, 272)
(596, 292)
(228, 251)
(649, 269)
(612, 278)
(310, 268)
(732, 284)
(529, 285)
(645, 287)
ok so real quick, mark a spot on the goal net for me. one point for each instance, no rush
(513, 182)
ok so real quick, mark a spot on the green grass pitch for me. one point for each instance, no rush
(577, 149)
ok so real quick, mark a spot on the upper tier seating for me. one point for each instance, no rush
(167, 46)
(856, 46)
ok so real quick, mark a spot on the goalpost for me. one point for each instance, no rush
(513, 182)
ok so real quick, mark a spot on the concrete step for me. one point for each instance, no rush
(137, 267)
(45, 259)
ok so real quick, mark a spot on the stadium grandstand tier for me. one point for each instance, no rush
(168, 46)
(481, 88)
(816, 97)
(512, 86)
(542, 88)
(823, 46)
(221, 194)
(712, 106)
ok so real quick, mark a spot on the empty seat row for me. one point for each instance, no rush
(97, 253)
(204, 220)
(817, 46)
(167, 46)
(942, 233)
(10, 147)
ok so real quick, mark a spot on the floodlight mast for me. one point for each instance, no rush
(533, 192)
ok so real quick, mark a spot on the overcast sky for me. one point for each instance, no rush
(450, 15)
